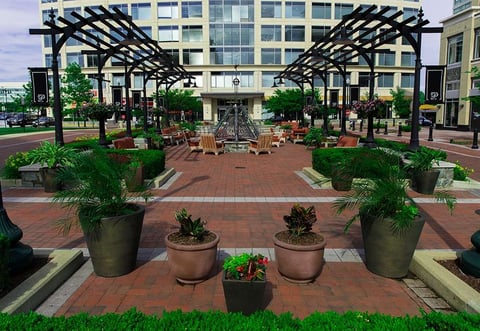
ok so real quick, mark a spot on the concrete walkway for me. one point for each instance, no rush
(244, 197)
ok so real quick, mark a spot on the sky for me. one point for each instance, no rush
(19, 50)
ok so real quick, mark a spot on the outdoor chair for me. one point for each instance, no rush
(262, 144)
(209, 144)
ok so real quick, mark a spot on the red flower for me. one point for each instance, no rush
(240, 269)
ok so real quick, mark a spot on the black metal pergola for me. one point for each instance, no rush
(109, 35)
(356, 36)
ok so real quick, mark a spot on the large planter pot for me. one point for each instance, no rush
(389, 253)
(192, 264)
(297, 263)
(49, 179)
(244, 296)
(113, 245)
(424, 181)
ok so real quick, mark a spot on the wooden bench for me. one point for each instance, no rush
(124, 143)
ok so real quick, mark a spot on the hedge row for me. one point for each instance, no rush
(262, 320)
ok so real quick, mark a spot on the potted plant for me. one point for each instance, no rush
(244, 280)
(134, 179)
(314, 137)
(51, 157)
(298, 250)
(390, 220)
(191, 250)
(111, 223)
(420, 165)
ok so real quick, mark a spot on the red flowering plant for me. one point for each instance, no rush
(364, 108)
(246, 266)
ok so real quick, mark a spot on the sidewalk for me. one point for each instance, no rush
(243, 197)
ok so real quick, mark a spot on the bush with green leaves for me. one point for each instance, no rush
(460, 172)
(13, 163)
(153, 160)
(52, 155)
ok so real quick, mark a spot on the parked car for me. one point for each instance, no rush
(44, 121)
(422, 120)
(21, 120)
(5, 116)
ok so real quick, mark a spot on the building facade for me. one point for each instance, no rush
(251, 40)
(460, 51)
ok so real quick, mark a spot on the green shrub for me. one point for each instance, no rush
(461, 173)
(12, 163)
(153, 160)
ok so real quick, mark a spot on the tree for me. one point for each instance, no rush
(474, 99)
(178, 100)
(288, 103)
(76, 89)
(27, 97)
(400, 103)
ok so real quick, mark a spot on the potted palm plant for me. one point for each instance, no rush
(391, 222)
(244, 280)
(420, 165)
(191, 250)
(111, 222)
(298, 250)
(51, 157)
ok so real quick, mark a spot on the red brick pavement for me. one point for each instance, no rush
(152, 288)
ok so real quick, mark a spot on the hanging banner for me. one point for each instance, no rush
(117, 96)
(354, 94)
(40, 95)
(434, 76)
(333, 98)
(136, 96)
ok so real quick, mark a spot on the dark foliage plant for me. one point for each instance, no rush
(300, 220)
(189, 226)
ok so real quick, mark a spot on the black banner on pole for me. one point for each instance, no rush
(434, 76)
(334, 98)
(137, 96)
(354, 94)
(117, 96)
(40, 95)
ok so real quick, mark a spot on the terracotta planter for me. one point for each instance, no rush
(244, 296)
(49, 179)
(299, 264)
(424, 182)
(389, 253)
(113, 246)
(192, 264)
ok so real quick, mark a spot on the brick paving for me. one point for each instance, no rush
(244, 197)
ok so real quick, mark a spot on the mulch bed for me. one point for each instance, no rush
(454, 267)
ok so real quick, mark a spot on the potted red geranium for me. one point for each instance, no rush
(244, 281)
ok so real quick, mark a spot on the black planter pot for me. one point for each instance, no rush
(424, 181)
(341, 181)
(389, 253)
(49, 178)
(244, 296)
(113, 245)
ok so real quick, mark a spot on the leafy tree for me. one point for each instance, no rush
(27, 96)
(288, 102)
(178, 99)
(75, 89)
(475, 75)
(400, 102)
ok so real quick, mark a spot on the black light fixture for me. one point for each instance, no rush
(343, 39)
(130, 40)
(274, 84)
(280, 81)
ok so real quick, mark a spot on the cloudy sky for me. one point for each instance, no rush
(19, 50)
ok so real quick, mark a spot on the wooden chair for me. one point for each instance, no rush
(262, 144)
(194, 144)
(209, 144)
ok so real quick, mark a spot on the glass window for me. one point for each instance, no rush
(92, 60)
(342, 9)
(271, 55)
(47, 41)
(46, 15)
(391, 11)
(147, 30)
(408, 59)
(388, 38)
(319, 32)
(386, 59)
(232, 34)
(363, 79)
(409, 12)
(291, 54)
(191, 9)
(294, 9)
(322, 10)
(49, 59)
(365, 34)
(192, 33)
(168, 33)
(123, 8)
(193, 56)
(271, 33)
(231, 11)
(268, 78)
(407, 80)
(168, 10)
(385, 80)
(225, 79)
(67, 13)
(141, 11)
(294, 33)
(455, 47)
(271, 9)
(75, 58)
(476, 47)
(231, 55)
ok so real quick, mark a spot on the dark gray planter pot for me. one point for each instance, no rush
(244, 296)
(424, 182)
(49, 179)
(389, 253)
(113, 245)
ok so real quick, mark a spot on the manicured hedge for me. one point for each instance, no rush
(262, 320)
(153, 160)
